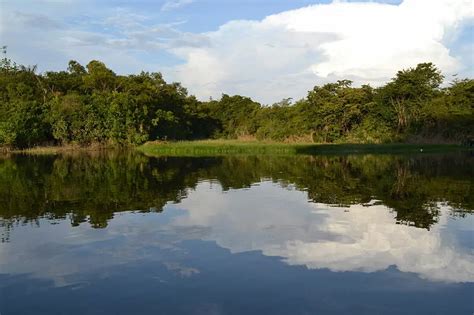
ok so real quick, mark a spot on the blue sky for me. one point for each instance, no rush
(266, 49)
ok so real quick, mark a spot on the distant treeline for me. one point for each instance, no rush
(92, 104)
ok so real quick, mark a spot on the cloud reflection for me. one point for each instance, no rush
(280, 222)
(266, 217)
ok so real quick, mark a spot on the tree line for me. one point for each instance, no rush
(92, 104)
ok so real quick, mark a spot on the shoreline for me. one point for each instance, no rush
(236, 147)
(60, 149)
(239, 147)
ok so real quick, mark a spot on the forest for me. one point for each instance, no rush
(91, 104)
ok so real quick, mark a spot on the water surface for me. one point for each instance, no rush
(121, 233)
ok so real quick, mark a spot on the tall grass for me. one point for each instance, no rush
(238, 147)
(243, 147)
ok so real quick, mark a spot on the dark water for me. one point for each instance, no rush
(120, 233)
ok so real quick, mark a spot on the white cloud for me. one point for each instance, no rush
(283, 55)
(175, 4)
(286, 54)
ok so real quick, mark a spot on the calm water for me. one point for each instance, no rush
(120, 233)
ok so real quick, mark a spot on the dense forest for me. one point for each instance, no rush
(92, 104)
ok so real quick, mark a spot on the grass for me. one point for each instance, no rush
(52, 150)
(236, 147)
(240, 147)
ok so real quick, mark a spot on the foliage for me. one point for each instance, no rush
(92, 104)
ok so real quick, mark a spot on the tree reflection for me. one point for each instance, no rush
(92, 187)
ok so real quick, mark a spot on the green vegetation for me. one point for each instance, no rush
(236, 147)
(218, 147)
(93, 105)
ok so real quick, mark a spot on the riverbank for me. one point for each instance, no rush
(236, 147)
(239, 147)
(52, 150)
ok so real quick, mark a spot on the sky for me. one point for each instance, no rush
(265, 49)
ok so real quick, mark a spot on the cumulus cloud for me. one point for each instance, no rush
(282, 55)
(285, 54)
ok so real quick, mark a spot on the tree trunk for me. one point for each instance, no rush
(400, 109)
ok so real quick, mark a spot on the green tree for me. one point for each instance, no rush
(409, 91)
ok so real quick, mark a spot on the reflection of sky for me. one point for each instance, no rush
(276, 221)
(281, 222)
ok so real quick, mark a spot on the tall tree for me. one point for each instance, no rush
(409, 90)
